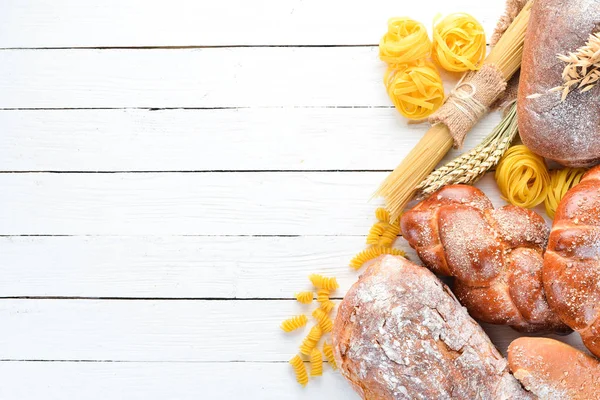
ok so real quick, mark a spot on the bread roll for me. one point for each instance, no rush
(553, 370)
(400, 334)
(571, 272)
(495, 255)
(569, 131)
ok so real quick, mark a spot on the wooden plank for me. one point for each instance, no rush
(208, 77)
(85, 23)
(294, 203)
(151, 330)
(160, 381)
(195, 140)
(174, 266)
(194, 78)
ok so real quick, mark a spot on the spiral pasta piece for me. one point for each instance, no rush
(323, 319)
(328, 351)
(304, 297)
(299, 369)
(322, 295)
(376, 231)
(389, 236)
(459, 43)
(294, 323)
(561, 180)
(415, 89)
(327, 306)
(522, 177)
(373, 252)
(323, 282)
(316, 363)
(405, 41)
(382, 215)
(311, 340)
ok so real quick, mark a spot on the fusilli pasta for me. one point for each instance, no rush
(372, 253)
(316, 363)
(382, 215)
(327, 306)
(304, 297)
(328, 351)
(323, 319)
(323, 282)
(322, 295)
(311, 340)
(294, 323)
(299, 369)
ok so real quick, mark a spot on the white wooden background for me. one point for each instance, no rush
(171, 171)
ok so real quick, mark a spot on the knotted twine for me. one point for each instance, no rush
(469, 101)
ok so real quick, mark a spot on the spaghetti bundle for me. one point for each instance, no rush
(415, 89)
(459, 43)
(405, 41)
(522, 177)
(561, 180)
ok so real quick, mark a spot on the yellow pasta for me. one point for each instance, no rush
(373, 252)
(323, 282)
(323, 319)
(328, 351)
(405, 41)
(322, 295)
(294, 323)
(415, 89)
(311, 340)
(299, 369)
(376, 231)
(522, 177)
(389, 236)
(561, 180)
(304, 297)
(316, 363)
(382, 215)
(459, 43)
(327, 306)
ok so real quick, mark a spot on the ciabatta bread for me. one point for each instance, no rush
(401, 334)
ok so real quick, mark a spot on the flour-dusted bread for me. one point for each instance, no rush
(400, 334)
(571, 272)
(494, 254)
(569, 131)
(553, 370)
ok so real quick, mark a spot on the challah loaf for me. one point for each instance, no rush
(553, 370)
(571, 272)
(495, 255)
(401, 334)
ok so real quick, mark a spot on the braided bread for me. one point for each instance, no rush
(494, 254)
(571, 271)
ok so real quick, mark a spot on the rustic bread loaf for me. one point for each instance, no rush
(495, 255)
(400, 334)
(571, 272)
(568, 131)
(553, 370)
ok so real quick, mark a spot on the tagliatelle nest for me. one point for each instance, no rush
(582, 70)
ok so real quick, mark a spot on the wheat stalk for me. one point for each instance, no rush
(471, 166)
(582, 70)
